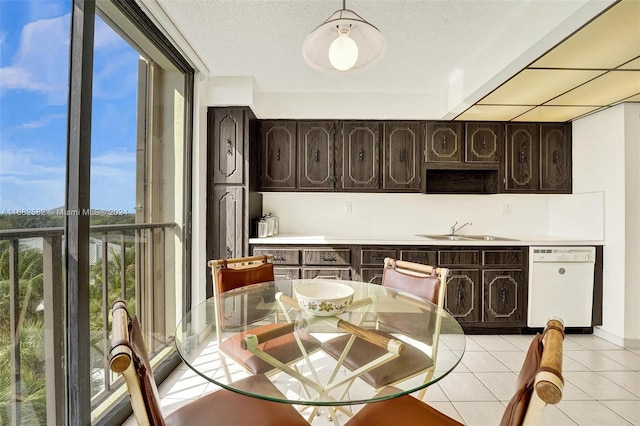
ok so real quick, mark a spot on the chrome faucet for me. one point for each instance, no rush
(453, 229)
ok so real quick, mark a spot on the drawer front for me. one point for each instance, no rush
(502, 257)
(283, 273)
(458, 257)
(326, 256)
(425, 257)
(375, 257)
(281, 256)
(327, 273)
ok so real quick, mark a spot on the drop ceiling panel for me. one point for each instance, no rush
(610, 40)
(535, 87)
(604, 90)
(493, 112)
(554, 113)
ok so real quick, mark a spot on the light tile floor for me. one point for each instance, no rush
(602, 383)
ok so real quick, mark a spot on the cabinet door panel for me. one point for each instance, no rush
(504, 295)
(463, 295)
(483, 141)
(375, 257)
(371, 275)
(228, 224)
(326, 273)
(226, 134)
(316, 142)
(281, 256)
(555, 158)
(279, 155)
(522, 158)
(444, 142)
(458, 257)
(401, 155)
(286, 273)
(360, 155)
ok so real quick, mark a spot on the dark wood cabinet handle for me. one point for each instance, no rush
(459, 296)
(483, 142)
(444, 141)
(361, 155)
(503, 296)
(402, 155)
(328, 258)
(316, 156)
(229, 253)
(556, 157)
(229, 147)
(278, 154)
(279, 258)
(522, 158)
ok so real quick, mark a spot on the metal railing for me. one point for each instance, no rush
(127, 261)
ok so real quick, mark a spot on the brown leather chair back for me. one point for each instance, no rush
(230, 279)
(427, 287)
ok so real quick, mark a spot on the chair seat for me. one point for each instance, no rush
(412, 360)
(284, 348)
(227, 408)
(404, 410)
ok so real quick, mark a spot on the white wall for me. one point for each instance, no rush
(600, 145)
(406, 214)
(632, 224)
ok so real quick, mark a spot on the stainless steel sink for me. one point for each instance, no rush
(444, 237)
(466, 237)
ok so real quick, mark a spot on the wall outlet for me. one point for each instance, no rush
(505, 210)
(348, 207)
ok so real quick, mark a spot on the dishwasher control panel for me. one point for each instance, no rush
(563, 254)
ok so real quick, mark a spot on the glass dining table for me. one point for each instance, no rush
(316, 378)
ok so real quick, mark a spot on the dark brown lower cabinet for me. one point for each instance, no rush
(504, 296)
(371, 275)
(326, 273)
(463, 299)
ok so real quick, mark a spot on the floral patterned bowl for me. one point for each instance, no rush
(324, 298)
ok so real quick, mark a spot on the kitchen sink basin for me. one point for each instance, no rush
(465, 237)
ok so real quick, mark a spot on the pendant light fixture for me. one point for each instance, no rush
(344, 43)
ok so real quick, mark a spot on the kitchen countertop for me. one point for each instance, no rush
(414, 240)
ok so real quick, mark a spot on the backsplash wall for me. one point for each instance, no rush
(407, 214)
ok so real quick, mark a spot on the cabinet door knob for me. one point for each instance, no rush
(278, 154)
(556, 157)
(229, 147)
(402, 155)
(483, 142)
(503, 296)
(361, 155)
(444, 141)
(229, 253)
(316, 156)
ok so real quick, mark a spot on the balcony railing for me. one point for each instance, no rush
(132, 262)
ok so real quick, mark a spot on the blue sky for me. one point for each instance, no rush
(34, 61)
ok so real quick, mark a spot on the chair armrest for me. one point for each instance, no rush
(392, 345)
(120, 354)
(253, 340)
(549, 382)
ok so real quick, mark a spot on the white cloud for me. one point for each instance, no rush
(115, 157)
(42, 60)
(25, 162)
(43, 122)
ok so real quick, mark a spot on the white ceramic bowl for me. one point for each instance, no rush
(324, 298)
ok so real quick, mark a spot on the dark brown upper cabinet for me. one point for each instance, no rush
(521, 160)
(278, 155)
(483, 142)
(226, 133)
(401, 156)
(555, 158)
(359, 155)
(316, 145)
(444, 142)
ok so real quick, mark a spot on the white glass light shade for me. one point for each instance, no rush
(369, 40)
(343, 52)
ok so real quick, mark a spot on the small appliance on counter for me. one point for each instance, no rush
(267, 226)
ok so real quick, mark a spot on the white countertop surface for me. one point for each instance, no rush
(413, 240)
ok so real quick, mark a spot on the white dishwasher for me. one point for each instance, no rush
(561, 285)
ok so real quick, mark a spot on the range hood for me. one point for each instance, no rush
(462, 178)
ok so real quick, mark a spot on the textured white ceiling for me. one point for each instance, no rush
(455, 50)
